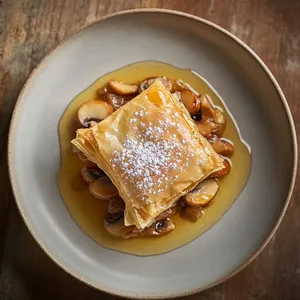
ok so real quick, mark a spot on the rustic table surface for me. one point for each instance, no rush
(29, 29)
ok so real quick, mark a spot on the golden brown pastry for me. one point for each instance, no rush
(152, 151)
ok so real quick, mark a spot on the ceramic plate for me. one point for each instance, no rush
(251, 94)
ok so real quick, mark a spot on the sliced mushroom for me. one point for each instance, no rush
(224, 171)
(91, 174)
(192, 213)
(101, 92)
(114, 224)
(103, 189)
(116, 101)
(146, 83)
(203, 193)
(204, 127)
(160, 227)
(178, 85)
(116, 205)
(218, 123)
(197, 117)
(207, 110)
(94, 110)
(191, 102)
(221, 146)
(122, 88)
(167, 213)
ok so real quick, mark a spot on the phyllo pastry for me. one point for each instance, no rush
(152, 152)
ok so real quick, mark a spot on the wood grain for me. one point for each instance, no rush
(29, 29)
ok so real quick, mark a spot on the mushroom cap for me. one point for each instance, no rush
(147, 82)
(116, 205)
(224, 171)
(207, 110)
(192, 213)
(191, 102)
(91, 174)
(103, 189)
(204, 127)
(114, 224)
(94, 110)
(221, 146)
(122, 88)
(218, 123)
(116, 101)
(202, 194)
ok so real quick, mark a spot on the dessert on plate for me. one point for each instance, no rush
(153, 150)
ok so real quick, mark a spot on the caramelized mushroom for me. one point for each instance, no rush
(146, 83)
(207, 110)
(213, 114)
(167, 213)
(116, 101)
(116, 205)
(91, 174)
(192, 213)
(191, 102)
(103, 189)
(160, 227)
(203, 193)
(101, 92)
(218, 123)
(221, 146)
(123, 89)
(224, 171)
(178, 85)
(114, 224)
(94, 110)
(204, 127)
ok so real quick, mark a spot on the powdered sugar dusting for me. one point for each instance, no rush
(149, 160)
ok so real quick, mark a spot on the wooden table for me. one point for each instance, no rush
(29, 29)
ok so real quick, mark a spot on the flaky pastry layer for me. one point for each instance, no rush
(151, 150)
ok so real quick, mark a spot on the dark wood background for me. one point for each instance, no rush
(29, 29)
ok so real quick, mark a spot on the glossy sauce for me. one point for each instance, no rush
(89, 212)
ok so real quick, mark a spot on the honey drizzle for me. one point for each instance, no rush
(89, 212)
